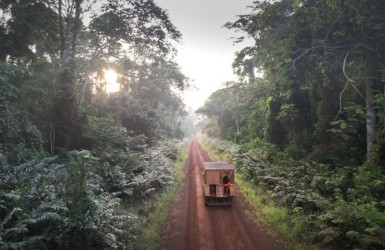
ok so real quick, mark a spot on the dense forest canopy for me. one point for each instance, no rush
(322, 90)
(77, 163)
(81, 167)
(310, 132)
(51, 54)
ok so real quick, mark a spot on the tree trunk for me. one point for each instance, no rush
(370, 72)
(66, 120)
(63, 46)
(76, 27)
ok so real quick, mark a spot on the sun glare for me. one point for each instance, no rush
(111, 78)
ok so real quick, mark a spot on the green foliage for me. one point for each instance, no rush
(339, 205)
(106, 132)
(143, 20)
(81, 207)
(150, 239)
(149, 106)
(110, 159)
(19, 139)
(339, 225)
(222, 113)
(74, 203)
(316, 66)
(29, 200)
(62, 60)
(29, 20)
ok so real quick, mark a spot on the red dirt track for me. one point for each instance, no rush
(192, 225)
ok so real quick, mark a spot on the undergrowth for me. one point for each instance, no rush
(269, 216)
(325, 206)
(97, 199)
(153, 225)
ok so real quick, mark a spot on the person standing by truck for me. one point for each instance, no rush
(227, 184)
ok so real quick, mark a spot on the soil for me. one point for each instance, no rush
(192, 225)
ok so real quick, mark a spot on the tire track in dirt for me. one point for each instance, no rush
(192, 225)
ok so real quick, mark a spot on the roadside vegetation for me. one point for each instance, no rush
(308, 202)
(268, 215)
(152, 233)
(78, 200)
(306, 117)
(84, 165)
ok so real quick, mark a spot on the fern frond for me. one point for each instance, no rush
(9, 216)
(48, 216)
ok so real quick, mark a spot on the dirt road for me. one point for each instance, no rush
(192, 225)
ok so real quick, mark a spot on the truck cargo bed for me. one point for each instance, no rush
(218, 187)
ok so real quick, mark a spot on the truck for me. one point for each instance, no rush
(218, 183)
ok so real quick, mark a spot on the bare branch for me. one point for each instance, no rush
(299, 57)
(350, 80)
(340, 104)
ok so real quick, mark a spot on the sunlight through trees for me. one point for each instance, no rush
(111, 77)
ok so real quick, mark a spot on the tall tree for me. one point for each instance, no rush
(54, 33)
(300, 44)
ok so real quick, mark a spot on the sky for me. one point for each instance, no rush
(207, 51)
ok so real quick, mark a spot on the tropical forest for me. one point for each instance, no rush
(86, 164)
